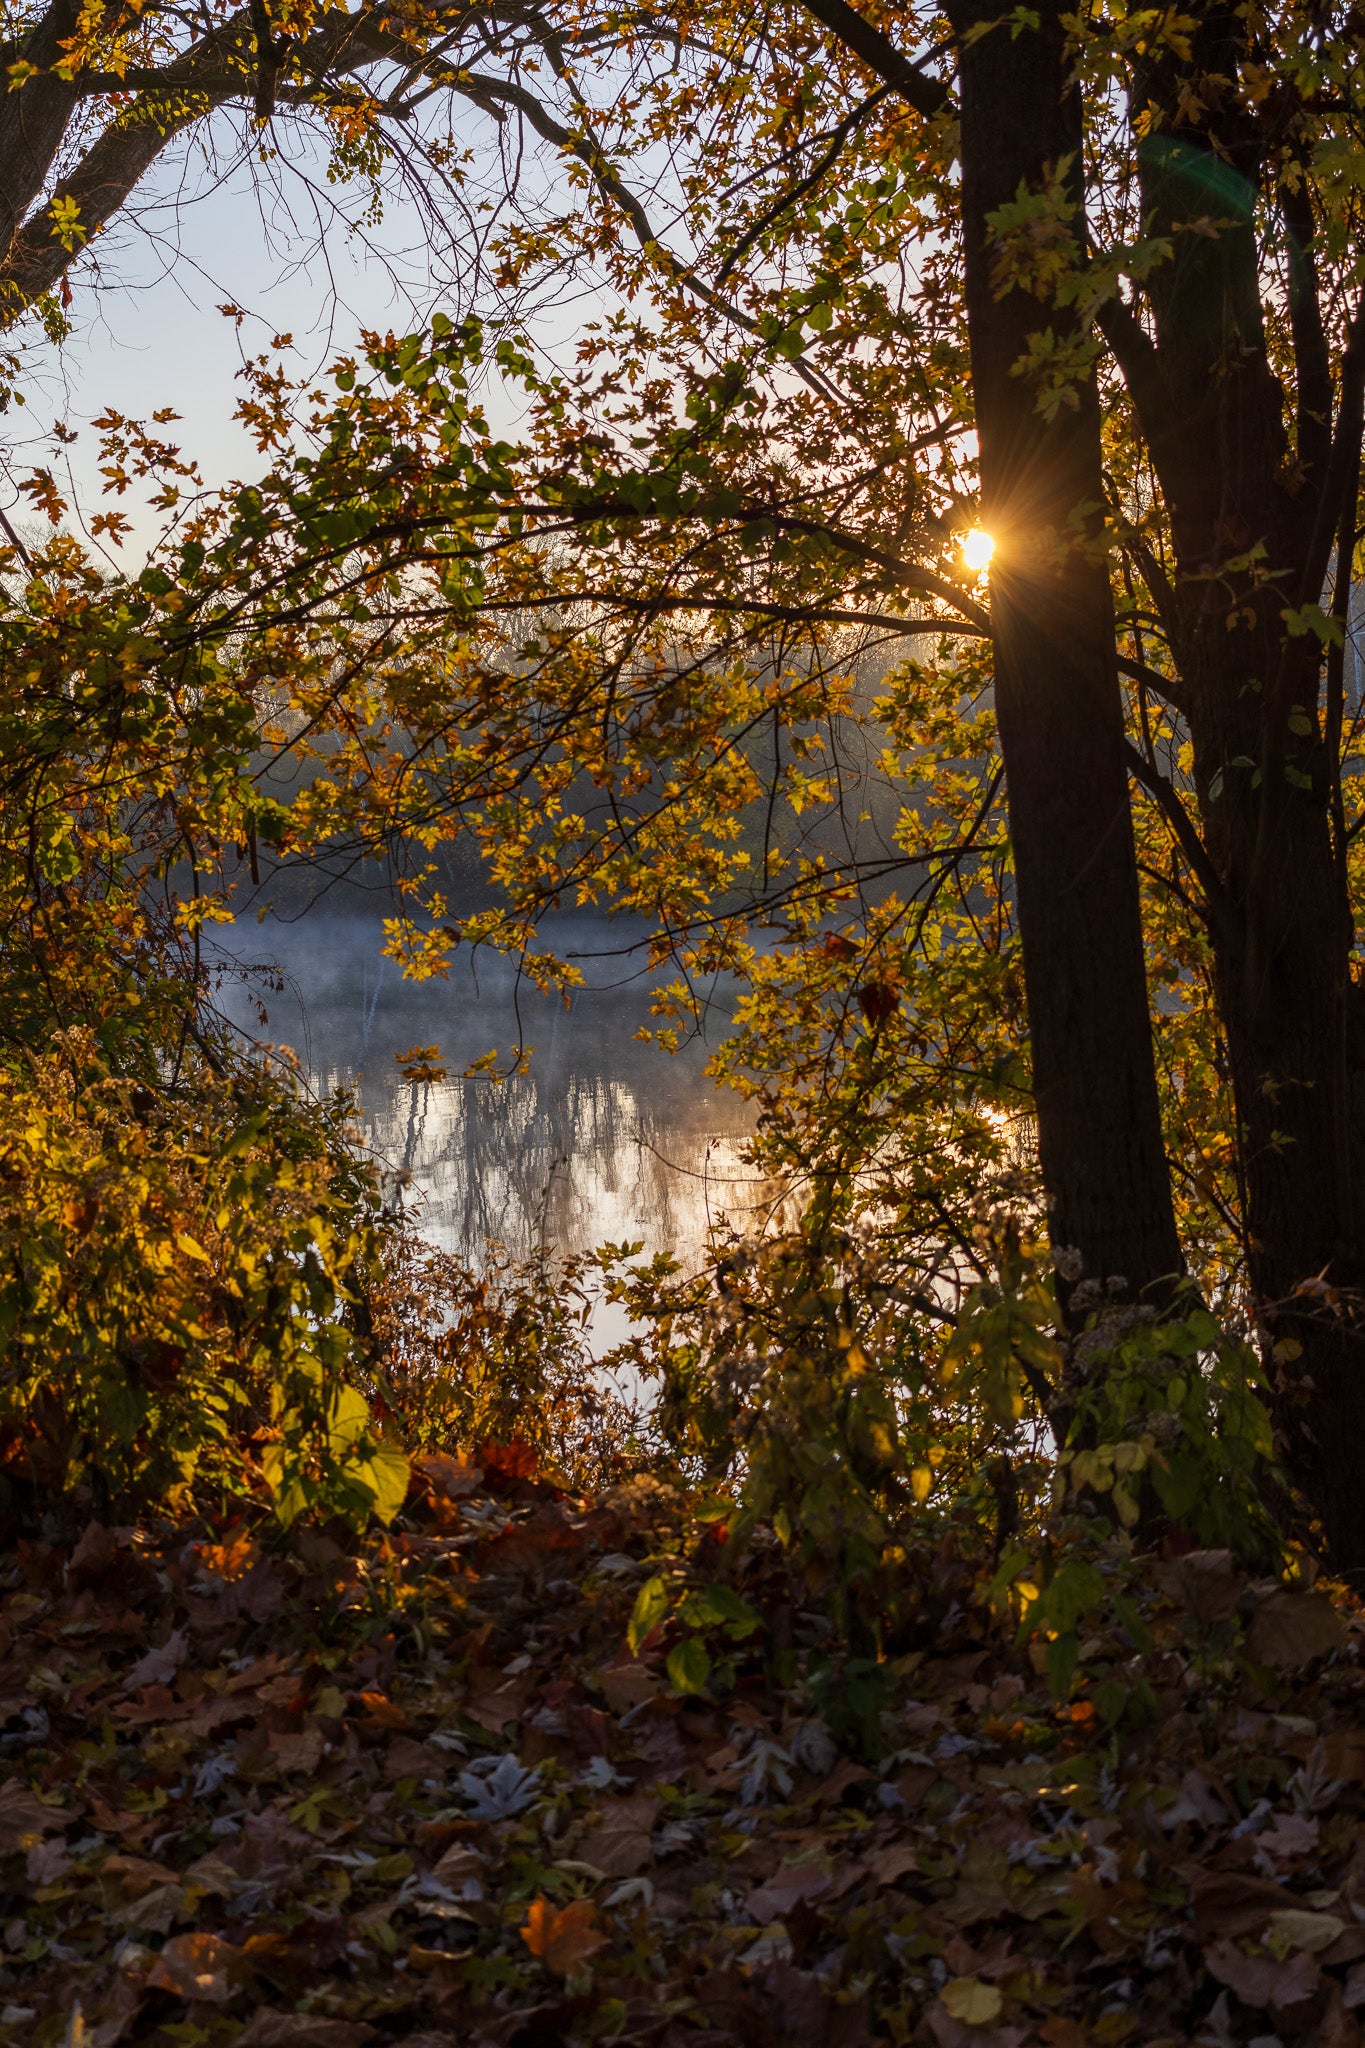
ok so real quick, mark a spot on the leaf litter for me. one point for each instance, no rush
(417, 1790)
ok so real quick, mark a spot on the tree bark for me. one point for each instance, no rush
(1252, 520)
(1058, 699)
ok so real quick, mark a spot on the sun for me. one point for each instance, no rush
(977, 549)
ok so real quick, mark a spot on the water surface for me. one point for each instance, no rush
(601, 1139)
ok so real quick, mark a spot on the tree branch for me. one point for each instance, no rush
(928, 96)
(1182, 828)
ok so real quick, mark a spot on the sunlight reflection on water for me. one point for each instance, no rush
(602, 1139)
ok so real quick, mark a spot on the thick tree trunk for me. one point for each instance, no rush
(1249, 524)
(1058, 699)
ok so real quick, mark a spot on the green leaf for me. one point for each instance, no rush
(1073, 1588)
(651, 1605)
(348, 1419)
(1063, 1655)
(385, 1475)
(688, 1666)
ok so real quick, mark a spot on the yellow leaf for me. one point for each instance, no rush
(921, 1480)
(190, 1246)
(973, 2003)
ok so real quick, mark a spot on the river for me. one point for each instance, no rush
(601, 1139)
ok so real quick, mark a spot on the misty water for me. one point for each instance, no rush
(601, 1139)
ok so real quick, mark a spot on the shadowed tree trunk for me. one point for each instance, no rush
(1254, 514)
(1057, 692)
(1260, 487)
(1058, 701)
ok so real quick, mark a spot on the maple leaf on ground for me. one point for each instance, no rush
(498, 1790)
(563, 1939)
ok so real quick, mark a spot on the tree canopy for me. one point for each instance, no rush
(1039, 881)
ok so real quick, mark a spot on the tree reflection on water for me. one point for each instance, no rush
(601, 1139)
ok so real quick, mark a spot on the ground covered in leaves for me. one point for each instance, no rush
(419, 1791)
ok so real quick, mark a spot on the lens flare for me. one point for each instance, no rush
(977, 549)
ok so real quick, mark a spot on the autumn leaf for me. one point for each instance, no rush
(196, 1967)
(509, 1461)
(620, 1845)
(565, 1939)
(973, 2003)
(232, 1559)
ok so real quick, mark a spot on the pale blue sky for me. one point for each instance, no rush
(148, 334)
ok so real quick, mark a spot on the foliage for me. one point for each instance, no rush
(179, 1266)
(501, 1356)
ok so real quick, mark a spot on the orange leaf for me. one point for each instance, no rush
(562, 1939)
(230, 1560)
(514, 1460)
(198, 1967)
(380, 1712)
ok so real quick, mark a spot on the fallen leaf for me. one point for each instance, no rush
(628, 1685)
(1290, 1835)
(1295, 1931)
(1227, 1903)
(136, 1874)
(974, 2003)
(232, 1560)
(458, 1865)
(886, 1865)
(774, 1899)
(23, 1817)
(1290, 1630)
(451, 1478)
(154, 1912)
(199, 1968)
(378, 1711)
(408, 1758)
(270, 2029)
(498, 1788)
(46, 1862)
(620, 1844)
(95, 1556)
(1205, 1582)
(1343, 1755)
(1261, 1980)
(1195, 1801)
(159, 1667)
(565, 1938)
(510, 1461)
(299, 1752)
(496, 1700)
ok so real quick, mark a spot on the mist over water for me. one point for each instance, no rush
(602, 1139)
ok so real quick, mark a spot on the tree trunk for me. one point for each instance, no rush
(1058, 700)
(1251, 519)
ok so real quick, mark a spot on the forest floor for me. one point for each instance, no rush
(307, 1794)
